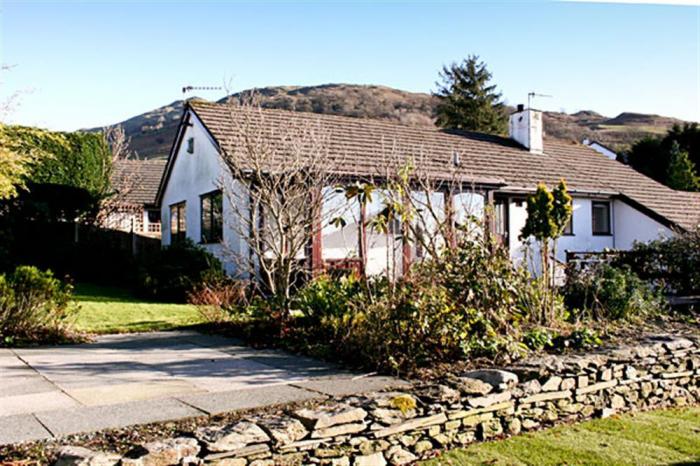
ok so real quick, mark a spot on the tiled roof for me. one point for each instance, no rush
(365, 146)
(139, 179)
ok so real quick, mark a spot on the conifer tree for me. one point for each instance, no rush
(681, 170)
(467, 100)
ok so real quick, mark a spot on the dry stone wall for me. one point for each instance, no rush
(398, 428)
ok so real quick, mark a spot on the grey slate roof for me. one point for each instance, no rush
(140, 180)
(487, 159)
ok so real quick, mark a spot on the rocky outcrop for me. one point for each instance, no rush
(398, 428)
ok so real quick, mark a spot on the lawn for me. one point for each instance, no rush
(112, 310)
(655, 437)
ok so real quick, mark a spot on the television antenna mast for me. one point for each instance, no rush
(186, 89)
(531, 95)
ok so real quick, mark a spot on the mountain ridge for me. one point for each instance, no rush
(151, 133)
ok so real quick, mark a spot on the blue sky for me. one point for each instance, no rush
(83, 64)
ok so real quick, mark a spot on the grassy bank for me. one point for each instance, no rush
(112, 310)
(655, 437)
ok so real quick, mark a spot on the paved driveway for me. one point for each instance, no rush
(121, 380)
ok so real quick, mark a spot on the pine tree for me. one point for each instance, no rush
(467, 100)
(681, 171)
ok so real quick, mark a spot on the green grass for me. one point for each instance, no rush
(112, 310)
(655, 437)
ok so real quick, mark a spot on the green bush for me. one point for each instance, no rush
(326, 296)
(171, 273)
(672, 265)
(468, 302)
(605, 292)
(33, 305)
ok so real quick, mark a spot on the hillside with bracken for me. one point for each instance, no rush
(152, 132)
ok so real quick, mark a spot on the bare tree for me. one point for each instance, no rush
(278, 177)
(123, 181)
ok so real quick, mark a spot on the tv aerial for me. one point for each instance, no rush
(531, 95)
(186, 89)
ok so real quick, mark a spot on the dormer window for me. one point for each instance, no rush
(190, 145)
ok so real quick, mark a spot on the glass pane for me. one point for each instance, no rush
(601, 218)
(182, 221)
(217, 222)
(173, 220)
(206, 219)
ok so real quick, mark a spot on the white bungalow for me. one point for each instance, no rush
(613, 205)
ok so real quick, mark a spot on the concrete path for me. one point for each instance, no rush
(123, 380)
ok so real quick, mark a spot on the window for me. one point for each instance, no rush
(569, 227)
(601, 218)
(211, 217)
(190, 145)
(178, 222)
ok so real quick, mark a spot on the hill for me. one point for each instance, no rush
(152, 133)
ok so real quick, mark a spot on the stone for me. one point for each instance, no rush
(488, 400)
(336, 430)
(261, 462)
(473, 421)
(497, 378)
(606, 375)
(531, 387)
(412, 424)
(504, 406)
(229, 462)
(423, 446)
(546, 396)
(373, 446)
(397, 456)
(607, 412)
(232, 437)
(375, 459)
(328, 416)
(79, 456)
(529, 424)
(514, 426)
(163, 453)
(596, 387)
(617, 402)
(491, 428)
(552, 384)
(284, 430)
(472, 386)
(582, 381)
(464, 438)
(568, 384)
(630, 372)
(342, 461)
(391, 416)
(249, 451)
(440, 394)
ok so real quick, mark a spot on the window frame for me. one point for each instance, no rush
(570, 226)
(206, 235)
(608, 206)
(180, 209)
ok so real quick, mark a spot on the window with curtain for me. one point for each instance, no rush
(178, 222)
(212, 217)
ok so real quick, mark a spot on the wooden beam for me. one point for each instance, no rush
(316, 235)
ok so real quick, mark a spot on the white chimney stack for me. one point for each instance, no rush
(525, 127)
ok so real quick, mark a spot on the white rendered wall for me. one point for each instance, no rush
(583, 238)
(193, 175)
(632, 225)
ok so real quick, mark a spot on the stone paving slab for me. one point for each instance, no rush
(21, 428)
(11, 405)
(122, 380)
(24, 386)
(88, 419)
(217, 403)
(123, 393)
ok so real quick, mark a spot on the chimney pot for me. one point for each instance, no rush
(521, 107)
